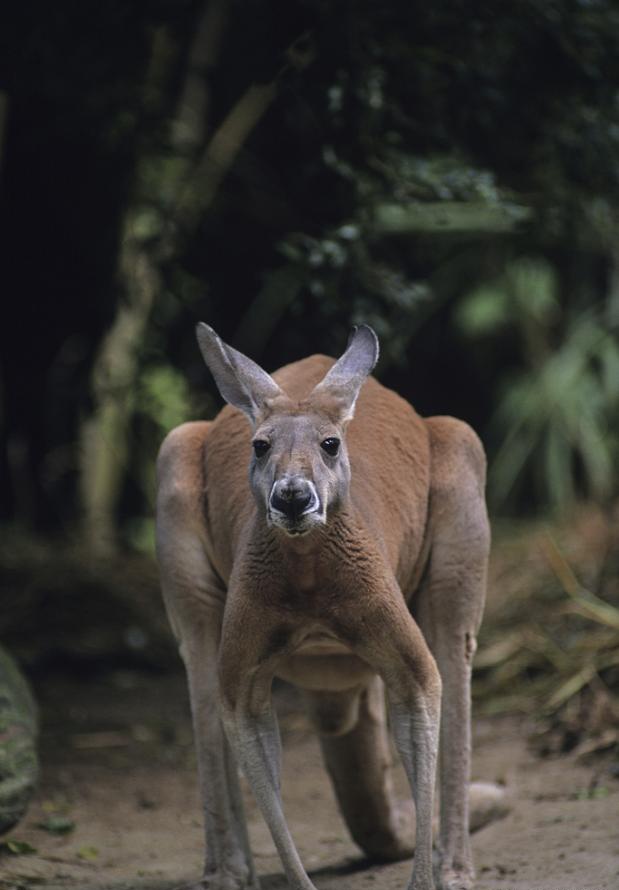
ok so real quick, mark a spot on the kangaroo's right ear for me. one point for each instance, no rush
(240, 380)
(344, 380)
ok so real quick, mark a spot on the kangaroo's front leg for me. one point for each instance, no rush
(390, 640)
(249, 649)
(228, 864)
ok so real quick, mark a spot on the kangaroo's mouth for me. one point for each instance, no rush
(309, 519)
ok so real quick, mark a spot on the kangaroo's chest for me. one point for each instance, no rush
(322, 662)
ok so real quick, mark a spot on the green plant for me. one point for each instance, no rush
(557, 421)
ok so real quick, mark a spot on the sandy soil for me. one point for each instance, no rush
(124, 772)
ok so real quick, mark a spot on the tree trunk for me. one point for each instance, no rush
(105, 435)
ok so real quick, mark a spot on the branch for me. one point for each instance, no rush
(448, 217)
(192, 117)
(198, 192)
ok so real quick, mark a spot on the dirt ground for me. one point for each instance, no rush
(124, 774)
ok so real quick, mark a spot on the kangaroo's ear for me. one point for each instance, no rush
(240, 380)
(344, 380)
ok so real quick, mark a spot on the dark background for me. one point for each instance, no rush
(446, 172)
(508, 110)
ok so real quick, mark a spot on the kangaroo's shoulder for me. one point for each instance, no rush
(180, 470)
(456, 451)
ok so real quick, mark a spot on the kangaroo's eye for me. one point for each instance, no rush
(260, 447)
(331, 446)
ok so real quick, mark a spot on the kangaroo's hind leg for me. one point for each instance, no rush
(448, 608)
(355, 744)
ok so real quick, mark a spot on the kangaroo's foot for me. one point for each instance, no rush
(222, 880)
(454, 878)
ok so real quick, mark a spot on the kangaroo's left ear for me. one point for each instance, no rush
(240, 380)
(344, 380)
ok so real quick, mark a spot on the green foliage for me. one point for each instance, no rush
(17, 848)
(559, 422)
(139, 534)
(380, 294)
(18, 754)
(57, 823)
(420, 133)
(557, 419)
(437, 177)
(163, 401)
(523, 295)
(88, 853)
(164, 397)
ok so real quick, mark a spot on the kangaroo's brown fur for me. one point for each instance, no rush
(387, 585)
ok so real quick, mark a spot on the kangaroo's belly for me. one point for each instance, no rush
(323, 663)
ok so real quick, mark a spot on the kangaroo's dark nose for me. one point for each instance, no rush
(291, 497)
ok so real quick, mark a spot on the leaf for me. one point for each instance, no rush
(596, 458)
(596, 793)
(555, 421)
(164, 396)
(533, 282)
(57, 824)
(558, 467)
(484, 311)
(609, 359)
(18, 848)
(88, 854)
(508, 465)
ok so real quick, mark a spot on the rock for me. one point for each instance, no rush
(18, 733)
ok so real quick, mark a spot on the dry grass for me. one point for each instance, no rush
(550, 643)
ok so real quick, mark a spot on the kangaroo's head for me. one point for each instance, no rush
(299, 469)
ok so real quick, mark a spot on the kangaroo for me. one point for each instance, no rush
(352, 560)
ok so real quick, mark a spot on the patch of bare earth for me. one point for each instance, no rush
(118, 761)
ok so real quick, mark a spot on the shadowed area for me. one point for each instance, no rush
(446, 173)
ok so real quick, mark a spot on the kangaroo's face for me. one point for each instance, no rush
(299, 470)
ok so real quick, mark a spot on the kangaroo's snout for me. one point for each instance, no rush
(293, 496)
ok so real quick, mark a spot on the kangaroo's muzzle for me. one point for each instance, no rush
(292, 497)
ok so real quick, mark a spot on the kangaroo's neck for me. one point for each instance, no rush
(302, 559)
(315, 559)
